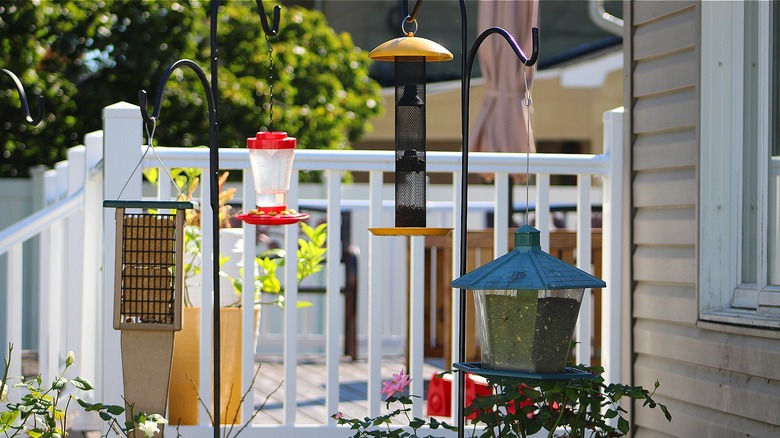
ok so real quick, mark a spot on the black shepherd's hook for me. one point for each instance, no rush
(270, 31)
(150, 119)
(212, 94)
(23, 98)
(466, 66)
(528, 61)
(409, 18)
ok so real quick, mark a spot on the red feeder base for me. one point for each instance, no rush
(440, 394)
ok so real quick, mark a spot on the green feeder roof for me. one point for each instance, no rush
(527, 267)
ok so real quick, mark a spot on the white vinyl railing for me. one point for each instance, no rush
(83, 303)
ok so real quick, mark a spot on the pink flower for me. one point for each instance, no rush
(338, 415)
(399, 382)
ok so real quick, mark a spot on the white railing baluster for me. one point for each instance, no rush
(49, 331)
(416, 319)
(248, 299)
(375, 289)
(291, 317)
(207, 302)
(73, 259)
(584, 330)
(543, 209)
(501, 215)
(14, 308)
(457, 235)
(333, 307)
(91, 268)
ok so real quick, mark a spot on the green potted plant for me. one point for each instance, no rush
(577, 408)
(183, 400)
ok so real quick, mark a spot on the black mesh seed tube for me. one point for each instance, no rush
(410, 141)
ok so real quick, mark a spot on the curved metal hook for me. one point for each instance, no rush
(528, 61)
(23, 98)
(161, 89)
(413, 16)
(270, 31)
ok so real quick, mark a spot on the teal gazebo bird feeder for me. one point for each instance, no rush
(527, 305)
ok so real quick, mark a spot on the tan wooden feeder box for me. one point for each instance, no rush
(148, 287)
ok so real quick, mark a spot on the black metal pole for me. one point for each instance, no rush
(464, 196)
(212, 92)
(466, 66)
(214, 198)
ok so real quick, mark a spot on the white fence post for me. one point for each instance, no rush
(613, 236)
(74, 256)
(86, 327)
(51, 275)
(122, 140)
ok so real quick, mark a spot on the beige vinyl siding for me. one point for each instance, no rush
(717, 381)
(664, 118)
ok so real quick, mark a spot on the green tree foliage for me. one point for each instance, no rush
(84, 55)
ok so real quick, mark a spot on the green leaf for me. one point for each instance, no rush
(59, 384)
(115, 410)
(7, 419)
(82, 384)
(623, 425)
(417, 423)
(105, 416)
(89, 406)
(665, 410)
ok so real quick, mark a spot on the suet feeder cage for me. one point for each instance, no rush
(410, 55)
(271, 155)
(527, 305)
(148, 288)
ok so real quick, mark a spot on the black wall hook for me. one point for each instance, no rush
(23, 98)
(270, 31)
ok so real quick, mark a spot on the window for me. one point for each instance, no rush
(739, 242)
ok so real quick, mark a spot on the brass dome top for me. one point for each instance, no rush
(410, 46)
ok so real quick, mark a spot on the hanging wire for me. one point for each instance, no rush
(527, 101)
(150, 146)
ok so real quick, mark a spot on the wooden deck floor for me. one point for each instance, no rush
(353, 379)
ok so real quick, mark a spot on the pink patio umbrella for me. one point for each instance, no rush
(502, 125)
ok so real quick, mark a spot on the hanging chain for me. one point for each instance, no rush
(270, 83)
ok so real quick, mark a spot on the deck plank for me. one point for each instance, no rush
(311, 373)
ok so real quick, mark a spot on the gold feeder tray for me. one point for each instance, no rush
(410, 231)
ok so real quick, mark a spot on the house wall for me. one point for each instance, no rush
(717, 380)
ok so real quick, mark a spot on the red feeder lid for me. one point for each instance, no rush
(271, 140)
